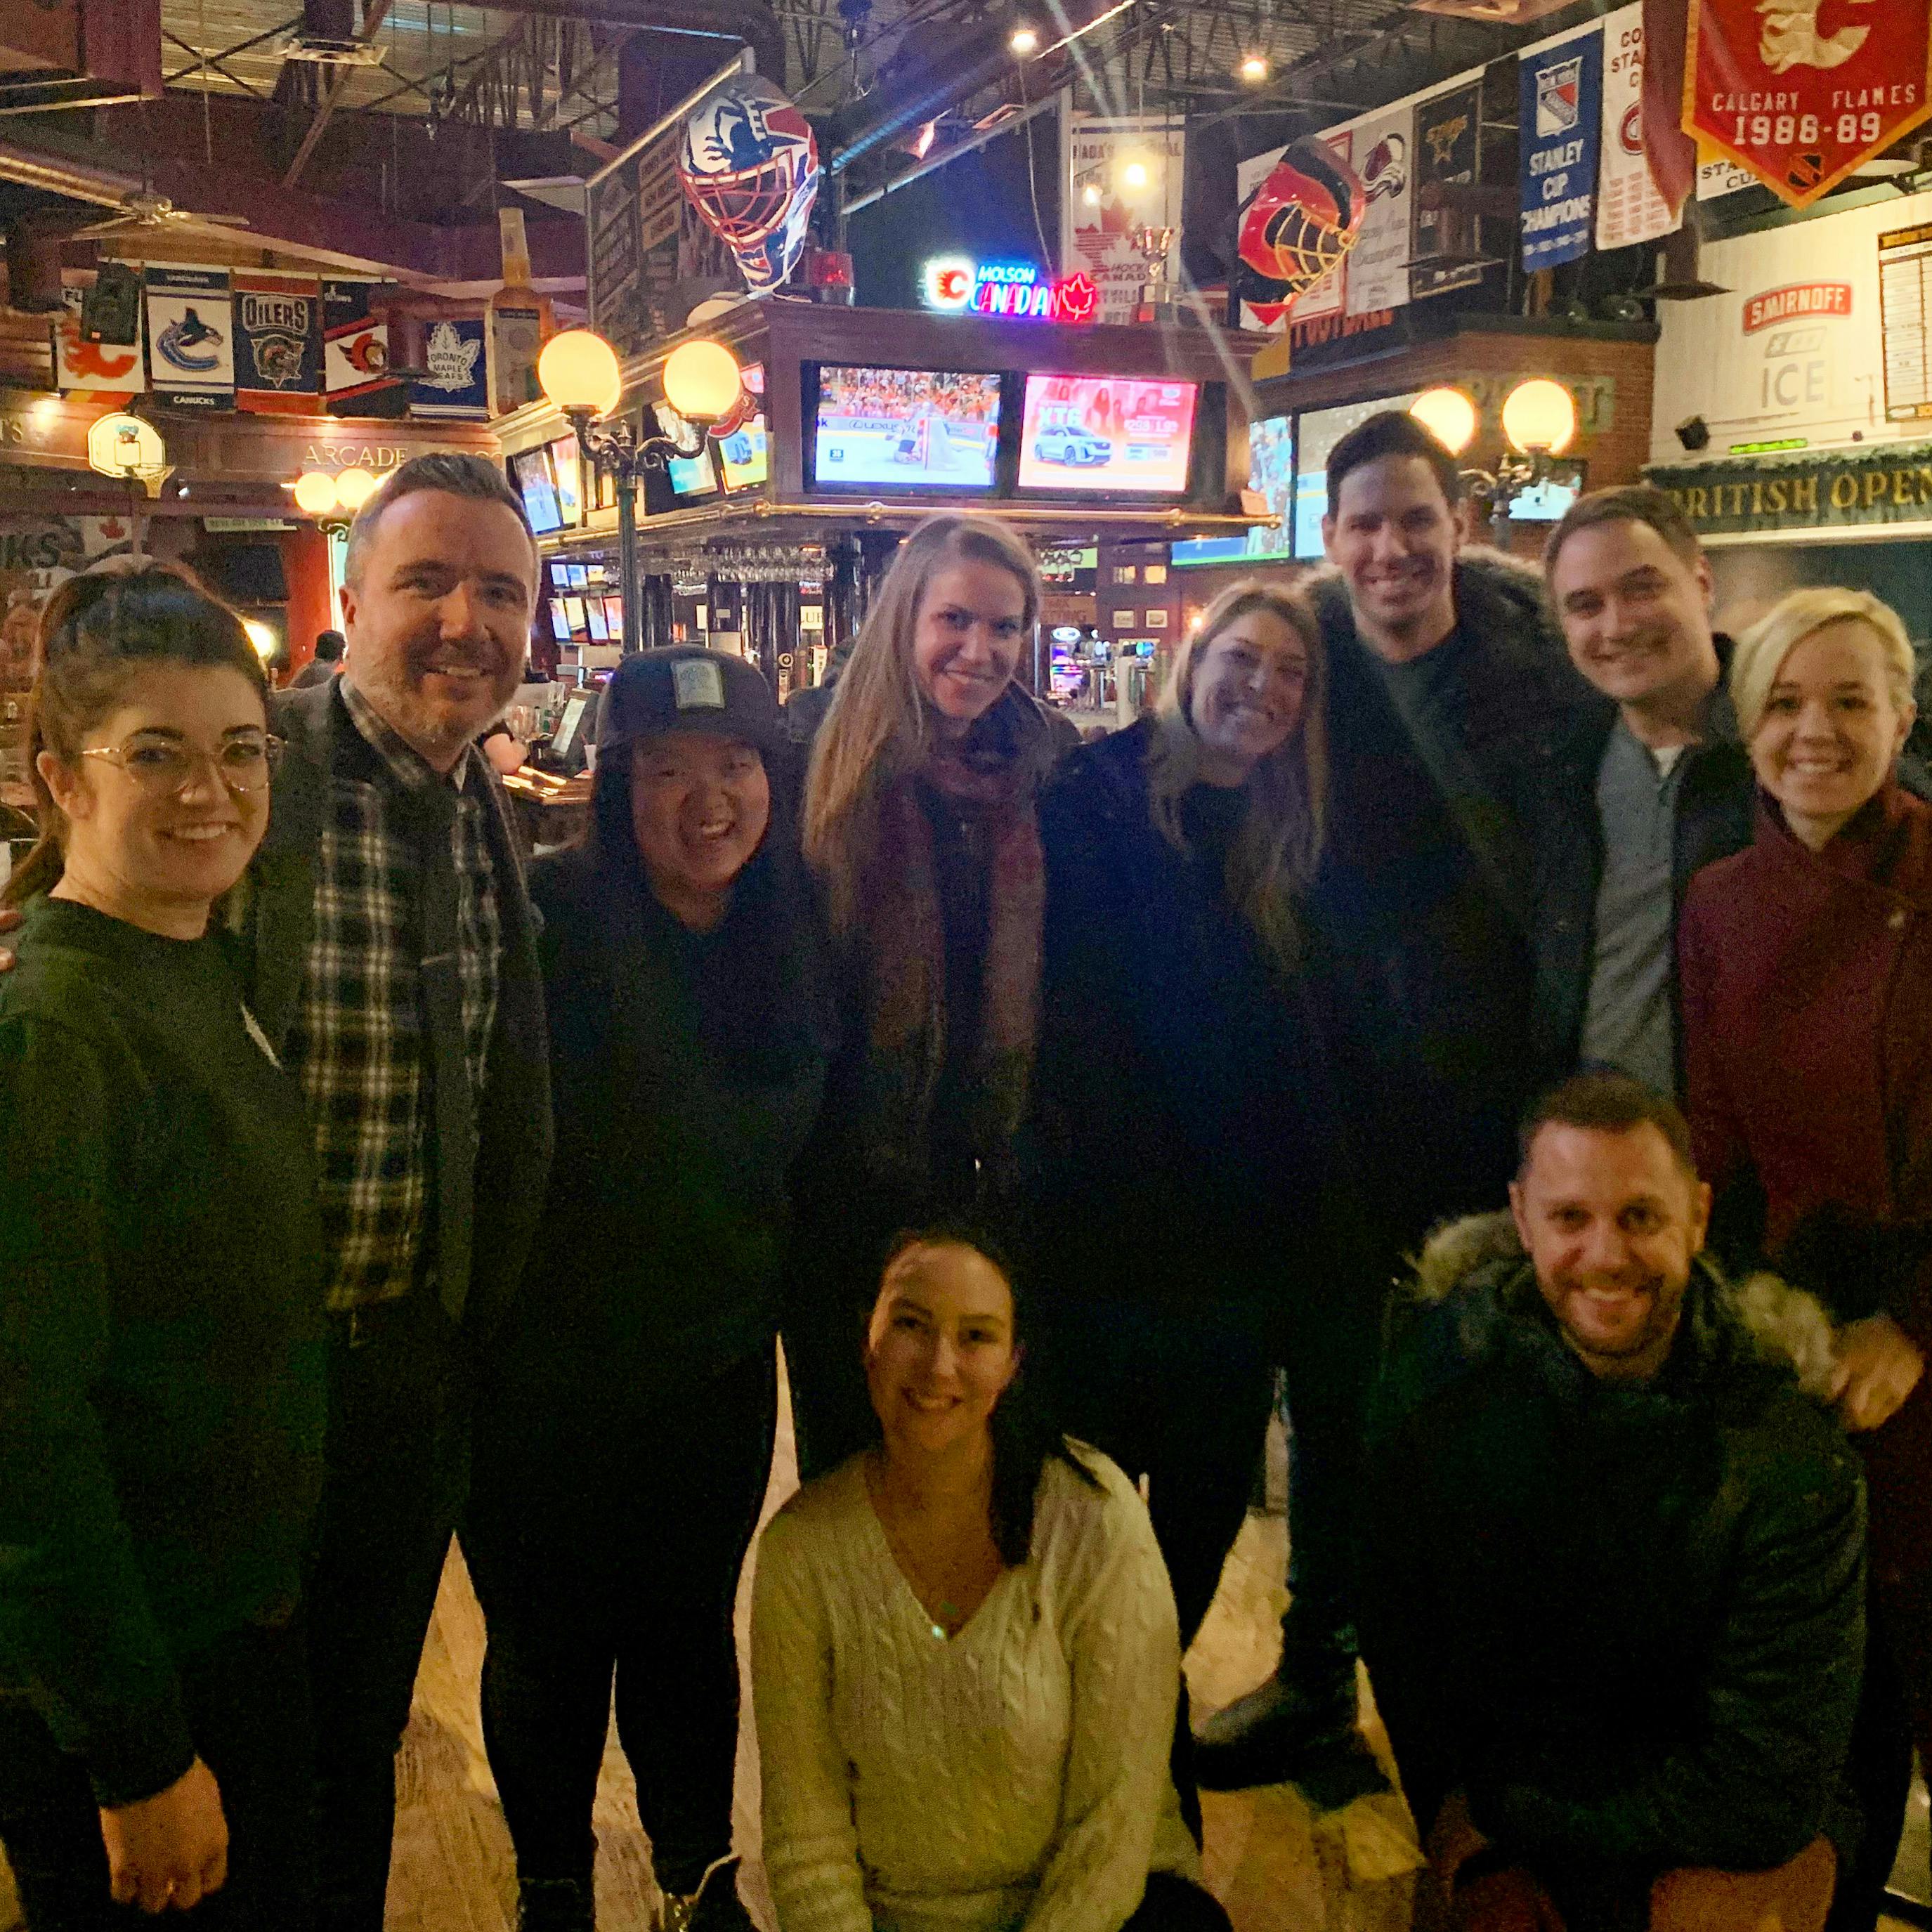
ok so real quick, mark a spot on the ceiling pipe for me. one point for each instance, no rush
(753, 22)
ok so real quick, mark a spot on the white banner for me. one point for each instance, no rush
(1385, 159)
(1718, 175)
(1629, 208)
(1117, 175)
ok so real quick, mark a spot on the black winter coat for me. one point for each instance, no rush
(1183, 1137)
(1628, 1620)
(1425, 904)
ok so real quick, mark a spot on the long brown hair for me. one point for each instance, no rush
(99, 630)
(878, 726)
(1279, 842)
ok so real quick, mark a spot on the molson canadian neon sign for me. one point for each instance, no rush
(956, 284)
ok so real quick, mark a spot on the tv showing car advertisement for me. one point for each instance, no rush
(906, 428)
(1098, 433)
(538, 487)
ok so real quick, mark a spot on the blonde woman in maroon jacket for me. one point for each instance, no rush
(1806, 964)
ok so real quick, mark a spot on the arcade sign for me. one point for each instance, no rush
(957, 285)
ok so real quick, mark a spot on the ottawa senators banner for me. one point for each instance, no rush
(1801, 91)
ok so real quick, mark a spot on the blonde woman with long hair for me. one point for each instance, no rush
(1184, 1119)
(920, 825)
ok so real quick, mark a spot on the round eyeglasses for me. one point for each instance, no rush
(165, 770)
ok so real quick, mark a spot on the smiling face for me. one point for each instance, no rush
(1611, 1222)
(1249, 686)
(699, 805)
(940, 1350)
(967, 639)
(160, 861)
(1636, 616)
(1393, 537)
(1830, 730)
(439, 621)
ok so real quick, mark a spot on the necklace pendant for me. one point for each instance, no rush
(939, 1631)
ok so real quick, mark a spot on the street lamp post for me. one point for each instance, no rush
(1539, 423)
(578, 374)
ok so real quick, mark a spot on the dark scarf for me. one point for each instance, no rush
(990, 779)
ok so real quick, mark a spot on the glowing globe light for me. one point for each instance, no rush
(578, 370)
(1540, 416)
(1448, 416)
(355, 486)
(702, 381)
(315, 493)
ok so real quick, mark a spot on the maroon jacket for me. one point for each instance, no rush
(1807, 986)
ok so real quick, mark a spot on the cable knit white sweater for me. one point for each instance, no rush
(1015, 1775)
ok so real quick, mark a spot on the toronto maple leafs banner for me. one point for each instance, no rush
(455, 385)
(1561, 107)
(278, 342)
(191, 337)
(355, 356)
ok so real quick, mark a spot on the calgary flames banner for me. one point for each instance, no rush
(1801, 91)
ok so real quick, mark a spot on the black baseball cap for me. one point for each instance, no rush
(686, 688)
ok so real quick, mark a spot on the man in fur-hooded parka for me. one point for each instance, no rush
(1614, 1590)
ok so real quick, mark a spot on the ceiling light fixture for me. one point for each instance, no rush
(1254, 68)
(1024, 42)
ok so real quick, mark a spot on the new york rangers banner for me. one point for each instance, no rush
(1766, 84)
(191, 337)
(455, 385)
(278, 342)
(1630, 209)
(1562, 83)
(355, 356)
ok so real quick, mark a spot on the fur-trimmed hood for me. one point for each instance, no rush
(1783, 1324)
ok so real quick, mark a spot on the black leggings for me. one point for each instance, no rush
(624, 1563)
(248, 1704)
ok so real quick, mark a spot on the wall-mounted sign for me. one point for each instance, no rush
(958, 285)
(1828, 491)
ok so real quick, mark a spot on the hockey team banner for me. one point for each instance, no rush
(1132, 165)
(1560, 84)
(191, 337)
(1448, 144)
(278, 342)
(1629, 208)
(455, 385)
(1319, 299)
(95, 368)
(355, 358)
(1801, 108)
(1384, 157)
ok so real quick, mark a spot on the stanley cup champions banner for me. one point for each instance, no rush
(1801, 91)
(1629, 208)
(1561, 84)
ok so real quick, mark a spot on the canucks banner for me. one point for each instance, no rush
(191, 337)
(454, 385)
(355, 356)
(1562, 110)
(278, 342)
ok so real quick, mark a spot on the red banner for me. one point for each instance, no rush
(1801, 91)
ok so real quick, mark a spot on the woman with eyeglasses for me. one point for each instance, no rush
(160, 1298)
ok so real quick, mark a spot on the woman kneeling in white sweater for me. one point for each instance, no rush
(965, 1656)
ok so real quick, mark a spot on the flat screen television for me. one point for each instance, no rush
(693, 475)
(573, 610)
(1545, 499)
(1091, 435)
(613, 616)
(579, 575)
(566, 470)
(600, 628)
(563, 744)
(560, 619)
(905, 429)
(537, 486)
(746, 453)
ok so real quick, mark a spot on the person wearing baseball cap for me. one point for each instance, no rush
(629, 1408)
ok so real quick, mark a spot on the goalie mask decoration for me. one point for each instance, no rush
(1296, 227)
(750, 166)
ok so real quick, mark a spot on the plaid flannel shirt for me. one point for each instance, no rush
(358, 1040)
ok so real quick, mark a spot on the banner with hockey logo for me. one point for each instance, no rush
(278, 342)
(191, 337)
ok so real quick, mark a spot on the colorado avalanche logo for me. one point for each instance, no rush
(750, 166)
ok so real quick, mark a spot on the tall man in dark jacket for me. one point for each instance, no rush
(1650, 788)
(393, 968)
(1448, 692)
(1613, 1583)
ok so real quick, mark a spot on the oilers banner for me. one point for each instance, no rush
(278, 342)
(1561, 107)
(1801, 91)
(191, 337)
